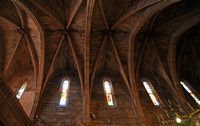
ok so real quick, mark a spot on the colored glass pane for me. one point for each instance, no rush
(152, 93)
(64, 93)
(21, 90)
(190, 92)
(108, 91)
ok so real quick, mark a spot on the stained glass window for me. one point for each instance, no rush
(189, 90)
(152, 93)
(21, 90)
(64, 92)
(109, 92)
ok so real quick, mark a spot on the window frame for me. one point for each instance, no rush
(193, 91)
(153, 92)
(19, 88)
(112, 92)
(67, 92)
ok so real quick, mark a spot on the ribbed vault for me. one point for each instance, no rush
(88, 40)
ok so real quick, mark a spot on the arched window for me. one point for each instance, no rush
(152, 93)
(21, 90)
(190, 90)
(109, 93)
(64, 92)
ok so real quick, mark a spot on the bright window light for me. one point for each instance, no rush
(21, 90)
(64, 93)
(108, 92)
(152, 93)
(186, 87)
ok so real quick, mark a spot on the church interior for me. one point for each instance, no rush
(99, 63)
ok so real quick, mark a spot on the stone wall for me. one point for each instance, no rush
(51, 114)
(120, 115)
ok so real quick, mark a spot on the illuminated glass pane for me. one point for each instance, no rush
(65, 84)
(154, 100)
(185, 87)
(108, 91)
(107, 87)
(21, 90)
(64, 93)
(109, 99)
(198, 102)
(146, 85)
(190, 92)
(152, 93)
(195, 98)
(63, 99)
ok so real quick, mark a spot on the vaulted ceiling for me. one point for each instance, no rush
(127, 38)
